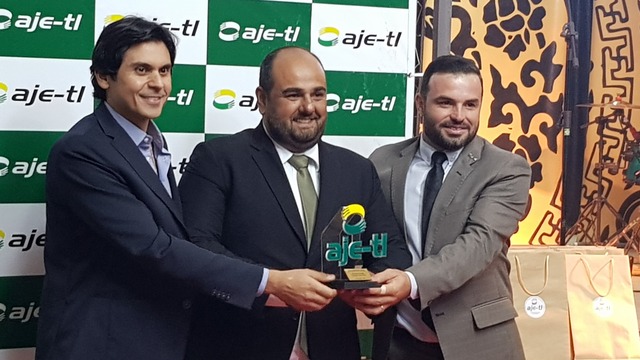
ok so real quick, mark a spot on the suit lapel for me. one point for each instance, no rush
(456, 177)
(131, 154)
(266, 158)
(399, 171)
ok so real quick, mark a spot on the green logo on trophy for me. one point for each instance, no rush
(343, 249)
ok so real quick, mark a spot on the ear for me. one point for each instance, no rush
(102, 80)
(419, 103)
(261, 95)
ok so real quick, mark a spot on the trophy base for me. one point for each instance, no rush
(353, 285)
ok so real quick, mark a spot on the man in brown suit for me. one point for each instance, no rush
(455, 301)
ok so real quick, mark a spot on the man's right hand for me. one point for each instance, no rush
(302, 289)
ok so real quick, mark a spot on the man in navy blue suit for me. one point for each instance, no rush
(241, 197)
(120, 272)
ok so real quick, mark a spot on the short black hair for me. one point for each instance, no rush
(266, 67)
(447, 64)
(114, 41)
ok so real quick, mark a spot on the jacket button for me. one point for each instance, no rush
(186, 304)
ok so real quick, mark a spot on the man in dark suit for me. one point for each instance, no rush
(120, 273)
(241, 197)
(460, 271)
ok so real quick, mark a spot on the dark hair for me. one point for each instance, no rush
(448, 64)
(266, 67)
(114, 41)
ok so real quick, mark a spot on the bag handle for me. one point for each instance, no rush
(521, 281)
(593, 286)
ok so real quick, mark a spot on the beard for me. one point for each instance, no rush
(438, 138)
(293, 139)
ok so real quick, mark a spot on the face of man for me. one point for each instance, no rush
(295, 110)
(143, 82)
(451, 110)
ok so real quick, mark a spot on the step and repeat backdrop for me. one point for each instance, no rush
(366, 46)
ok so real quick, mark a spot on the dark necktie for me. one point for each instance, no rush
(431, 187)
(307, 192)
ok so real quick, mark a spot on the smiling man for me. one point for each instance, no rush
(120, 271)
(242, 197)
(459, 199)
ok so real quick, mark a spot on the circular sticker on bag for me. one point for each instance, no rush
(602, 307)
(535, 307)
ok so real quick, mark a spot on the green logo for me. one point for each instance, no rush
(387, 103)
(350, 246)
(231, 31)
(45, 29)
(71, 22)
(23, 164)
(184, 110)
(19, 311)
(242, 32)
(378, 111)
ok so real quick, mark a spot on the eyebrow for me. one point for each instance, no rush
(297, 89)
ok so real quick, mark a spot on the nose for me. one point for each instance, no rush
(307, 105)
(155, 80)
(458, 113)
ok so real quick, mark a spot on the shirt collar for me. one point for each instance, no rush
(426, 151)
(135, 133)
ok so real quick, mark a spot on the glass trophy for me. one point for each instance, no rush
(343, 249)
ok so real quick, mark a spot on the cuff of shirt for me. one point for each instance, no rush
(414, 286)
(263, 282)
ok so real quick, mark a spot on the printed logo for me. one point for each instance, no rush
(232, 31)
(182, 98)
(24, 168)
(24, 242)
(4, 89)
(4, 166)
(329, 36)
(535, 307)
(360, 104)
(70, 22)
(187, 28)
(225, 99)
(5, 19)
(28, 97)
(19, 313)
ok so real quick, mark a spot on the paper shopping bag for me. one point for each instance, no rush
(602, 312)
(540, 296)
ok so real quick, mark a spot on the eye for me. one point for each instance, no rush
(141, 69)
(472, 105)
(292, 96)
(165, 70)
(320, 95)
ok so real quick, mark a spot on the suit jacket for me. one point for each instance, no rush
(238, 201)
(120, 276)
(464, 274)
